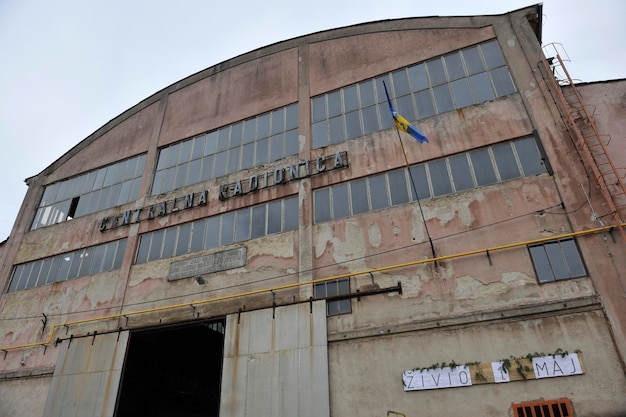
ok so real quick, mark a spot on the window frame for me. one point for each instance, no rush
(67, 266)
(220, 230)
(427, 88)
(435, 178)
(549, 267)
(336, 304)
(538, 408)
(266, 137)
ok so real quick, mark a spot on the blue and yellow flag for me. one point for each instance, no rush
(402, 123)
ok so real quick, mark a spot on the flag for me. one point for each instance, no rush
(402, 123)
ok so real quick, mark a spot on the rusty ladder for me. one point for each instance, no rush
(592, 145)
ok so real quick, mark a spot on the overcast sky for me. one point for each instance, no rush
(68, 67)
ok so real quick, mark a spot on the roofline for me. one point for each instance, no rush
(533, 13)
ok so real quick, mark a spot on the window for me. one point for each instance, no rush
(268, 137)
(557, 260)
(484, 166)
(459, 79)
(71, 265)
(550, 408)
(331, 289)
(96, 190)
(235, 226)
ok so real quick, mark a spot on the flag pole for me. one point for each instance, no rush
(401, 122)
(406, 161)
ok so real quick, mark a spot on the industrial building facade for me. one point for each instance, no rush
(258, 239)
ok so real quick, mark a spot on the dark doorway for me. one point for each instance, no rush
(173, 371)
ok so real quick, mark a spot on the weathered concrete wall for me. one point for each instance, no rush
(24, 396)
(369, 387)
(606, 103)
(464, 291)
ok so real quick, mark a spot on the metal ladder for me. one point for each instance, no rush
(591, 144)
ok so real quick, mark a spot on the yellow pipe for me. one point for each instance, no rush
(299, 284)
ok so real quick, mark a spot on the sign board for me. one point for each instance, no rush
(516, 369)
(437, 378)
(553, 366)
(206, 264)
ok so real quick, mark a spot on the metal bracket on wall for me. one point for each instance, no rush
(611, 234)
(44, 321)
(488, 257)
(273, 304)
(94, 337)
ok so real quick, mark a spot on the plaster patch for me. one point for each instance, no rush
(350, 248)
(373, 232)
(100, 292)
(418, 230)
(281, 246)
(469, 287)
(412, 286)
(458, 207)
(348, 252)
(511, 43)
(517, 278)
(323, 238)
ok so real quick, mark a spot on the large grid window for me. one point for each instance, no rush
(459, 79)
(235, 226)
(476, 168)
(70, 265)
(331, 289)
(96, 190)
(548, 408)
(268, 137)
(557, 260)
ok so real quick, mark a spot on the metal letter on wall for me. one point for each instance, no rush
(87, 376)
(276, 363)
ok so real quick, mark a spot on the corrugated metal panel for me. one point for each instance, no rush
(276, 366)
(87, 376)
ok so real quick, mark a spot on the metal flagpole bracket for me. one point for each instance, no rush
(44, 321)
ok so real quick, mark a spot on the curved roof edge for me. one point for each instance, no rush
(532, 13)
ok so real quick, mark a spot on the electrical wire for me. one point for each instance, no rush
(276, 277)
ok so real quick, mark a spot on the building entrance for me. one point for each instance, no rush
(173, 371)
